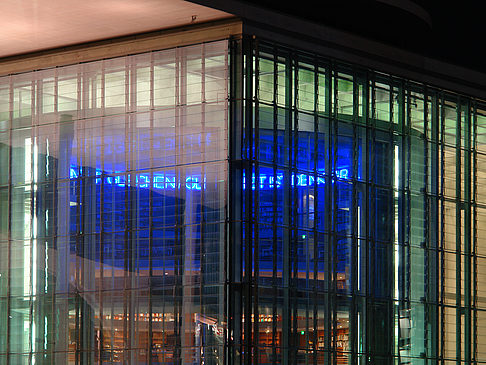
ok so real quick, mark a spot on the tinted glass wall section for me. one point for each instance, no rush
(113, 198)
(359, 197)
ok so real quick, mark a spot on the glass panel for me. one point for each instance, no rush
(344, 94)
(266, 80)
(67, 89)
(306, 86)
(4, 104)
(382, 102)
(481, 346)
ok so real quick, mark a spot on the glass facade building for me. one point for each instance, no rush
(239, 202)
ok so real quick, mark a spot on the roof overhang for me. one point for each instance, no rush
(33, 25)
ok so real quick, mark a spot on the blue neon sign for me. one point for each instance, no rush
(162, 181)
(266, 181)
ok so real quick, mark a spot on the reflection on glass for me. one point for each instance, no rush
(357, 220)
(116, 210)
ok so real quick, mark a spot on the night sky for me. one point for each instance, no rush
(457, 35)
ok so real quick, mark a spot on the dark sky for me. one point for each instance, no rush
(459, 33)
(457, 36)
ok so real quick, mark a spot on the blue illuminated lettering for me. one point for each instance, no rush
(194, 182)
(119, 181)
(262, 181)
(159, 181)
(170, 182)
(342, 174)
(302, 180)
(270, 181)
(143, 181)
(189, 183)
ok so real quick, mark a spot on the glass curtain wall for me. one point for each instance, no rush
(357, 216)
(350, 230)
(113, 205)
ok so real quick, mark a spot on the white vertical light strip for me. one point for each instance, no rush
(395, 188)
(34, 240)
(27, 160)
(360, 337)
(27, 222)
(45, 332)
(34, 220)
(396, 248)
(46, 222)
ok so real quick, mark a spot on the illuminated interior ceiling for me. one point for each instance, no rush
(35, 25)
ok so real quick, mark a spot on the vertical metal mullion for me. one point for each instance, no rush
(392, 218)
(286, 273)
(127, 228)
(55, 216)
(402, 209)
(426, 205)
(248, 120)
(467, 232)
(434, 229)
(442, 229)
(353, 315)
(87, 237)
(179, 244)
(371, 340)
(151, 214)
(458, 204)
(202, 242)
(102, 216)
(408, 196)
(364, 254)
(315, 296)
(80, 236)
(328, 213)
(275, 197)
(103, 177)
(334, 213)
(294, 221)
(236, 196)
(256, 206)
(32, 215)
(133, 223)
(9, 222)
(224, 269)
(474, 242)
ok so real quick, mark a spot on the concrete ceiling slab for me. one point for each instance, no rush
(35, 25)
